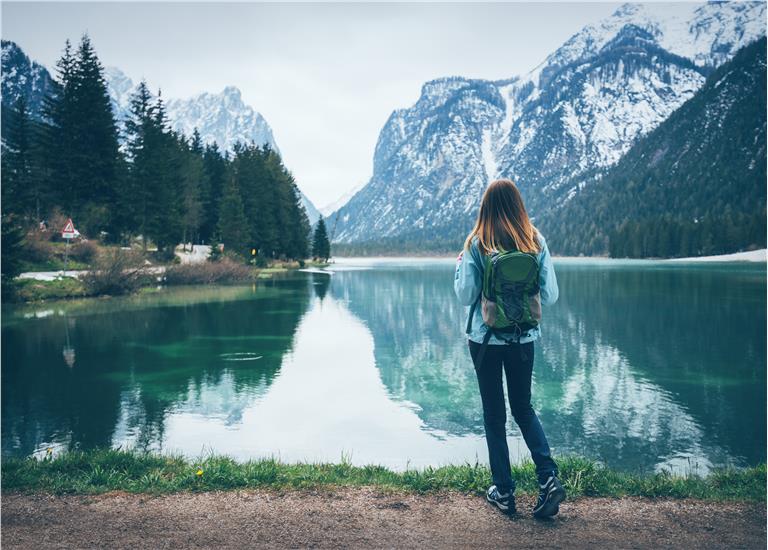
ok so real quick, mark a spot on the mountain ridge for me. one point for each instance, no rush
(701, 172)
(567, 116)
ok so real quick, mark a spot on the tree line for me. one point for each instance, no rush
(120, 179)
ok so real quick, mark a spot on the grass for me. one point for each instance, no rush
(30, 290)
(105, 470)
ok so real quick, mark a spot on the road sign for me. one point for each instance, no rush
(69, 231)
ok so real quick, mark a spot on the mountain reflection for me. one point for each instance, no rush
(420, 349)
(635, 368)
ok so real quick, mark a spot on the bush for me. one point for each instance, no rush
(222, 271)
(117, 271)
(83, 251)
(38, 248)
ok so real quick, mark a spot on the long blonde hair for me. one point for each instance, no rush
(502, 222)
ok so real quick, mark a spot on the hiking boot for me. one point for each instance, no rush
(551, 494)
(503, 501)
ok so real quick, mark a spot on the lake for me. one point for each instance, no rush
(642, 365)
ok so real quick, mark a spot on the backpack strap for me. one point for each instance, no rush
(472, 313)
(484, 346)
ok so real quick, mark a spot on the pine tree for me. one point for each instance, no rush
(192, 188)
(57, 139)
(232, 226)
(94, 151)
(257, 187)
(165, 219)
(196, 143)
(21, 192)
(321, 247)
(140, 136)
(11, 247)
(215, 169)
(153, 196)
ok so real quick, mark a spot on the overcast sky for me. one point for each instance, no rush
(325, 76)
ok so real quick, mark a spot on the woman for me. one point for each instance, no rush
(503, 225)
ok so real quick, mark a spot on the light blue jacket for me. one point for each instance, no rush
(468, 282)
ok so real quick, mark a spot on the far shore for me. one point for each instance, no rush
(749, 256)
(752, 256)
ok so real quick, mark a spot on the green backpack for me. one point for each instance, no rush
(511, 305)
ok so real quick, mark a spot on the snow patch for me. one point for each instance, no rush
(750, 256)
(489, 158)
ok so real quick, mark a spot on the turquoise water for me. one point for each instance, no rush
(641, 365)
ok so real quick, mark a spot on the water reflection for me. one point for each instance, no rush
(666, 362)
(641, 366)
(637, 367)
(420, 350)
(135, 364)
(328, 402)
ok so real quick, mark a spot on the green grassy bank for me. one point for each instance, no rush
(114, 470)
(63, 288)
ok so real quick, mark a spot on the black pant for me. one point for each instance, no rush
(517, 360)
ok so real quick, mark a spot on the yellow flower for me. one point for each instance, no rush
(199, 472)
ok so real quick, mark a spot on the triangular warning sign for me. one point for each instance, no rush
(69, 228)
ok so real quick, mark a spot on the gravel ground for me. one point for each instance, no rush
(368, 518)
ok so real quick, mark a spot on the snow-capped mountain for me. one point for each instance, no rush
(120, 88)
(222, 118)
(581, 109)
(694, 185)
(22, 76)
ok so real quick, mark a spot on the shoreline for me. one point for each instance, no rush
(67, 285)
(751, 256)
(107, 470)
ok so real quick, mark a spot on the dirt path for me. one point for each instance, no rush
(368, 518)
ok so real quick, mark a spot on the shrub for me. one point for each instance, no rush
(83, 251)
(222, 271)
(117, 271)
(38, 248)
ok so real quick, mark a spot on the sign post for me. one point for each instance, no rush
(69, 232)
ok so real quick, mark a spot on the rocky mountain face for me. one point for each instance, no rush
(22, 76)
(700, 176)
(222, 118)
(579, 111)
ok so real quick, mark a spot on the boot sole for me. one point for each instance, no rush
(551, 506)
